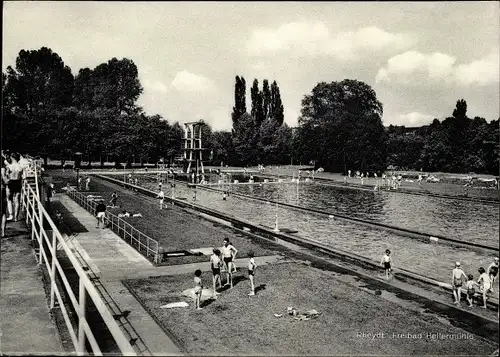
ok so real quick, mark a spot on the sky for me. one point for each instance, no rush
(419, 57)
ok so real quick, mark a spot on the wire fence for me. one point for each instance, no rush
(144, 244)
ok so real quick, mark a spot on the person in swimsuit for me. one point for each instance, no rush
(215, 264)
(386, 263)
(101, 214)
(493, 271)
(471, 285)
(229, 254)
(15, 172)
(114, 198)
(87, 184)
(161, 197)
(6, 192)
(251, 272)
(198, 288)
(456, 282)
(485, 286)
(4, 208)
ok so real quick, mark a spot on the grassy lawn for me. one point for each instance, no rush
(236, 324)
(173, 228)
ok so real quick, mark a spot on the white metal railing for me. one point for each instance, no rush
(140, 241)
(48, 243)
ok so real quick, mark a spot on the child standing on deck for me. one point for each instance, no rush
(456, 282)
(470, 285)
(161, 197)
(386, 263)
(198, 288)
(215, 264)
(485, 286)
(251, 272)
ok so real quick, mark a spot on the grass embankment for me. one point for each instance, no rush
(172, 227)
(236, 324)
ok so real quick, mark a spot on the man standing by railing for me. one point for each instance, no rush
(15, 172)
(100, 211)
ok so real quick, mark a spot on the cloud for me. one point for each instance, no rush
(416, 67)
(483, 71)
(156, 86)
(220, 118)
(413, 119)
(189, 82)
(316, 39)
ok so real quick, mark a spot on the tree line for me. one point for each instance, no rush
(48, 110)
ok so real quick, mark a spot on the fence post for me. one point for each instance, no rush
(81, 317)
(40, 235)
(33, 217)
(53, 269)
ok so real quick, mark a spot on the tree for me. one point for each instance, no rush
(343, 121)
(245, 139)
(116, 86)
(240, 105)
(39, 86)
(257, 111)
(266, 100)
(276, 106)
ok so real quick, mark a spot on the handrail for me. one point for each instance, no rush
(152, 246)
(36, 216)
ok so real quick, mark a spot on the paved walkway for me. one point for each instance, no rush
(26, 326)
(116, 260)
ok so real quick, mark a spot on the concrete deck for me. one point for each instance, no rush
(26, 326)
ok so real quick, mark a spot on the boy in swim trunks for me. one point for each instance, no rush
(251, 272)
(492, 272)
(215, 264)
(229, 254)
(456, 282)
(386, 263)
(198, 288)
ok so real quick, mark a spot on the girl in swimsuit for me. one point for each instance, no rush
(215, 264)
(484, 280)
(198, 289)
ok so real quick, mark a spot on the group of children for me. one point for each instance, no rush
(484, 284)
(223, 258)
